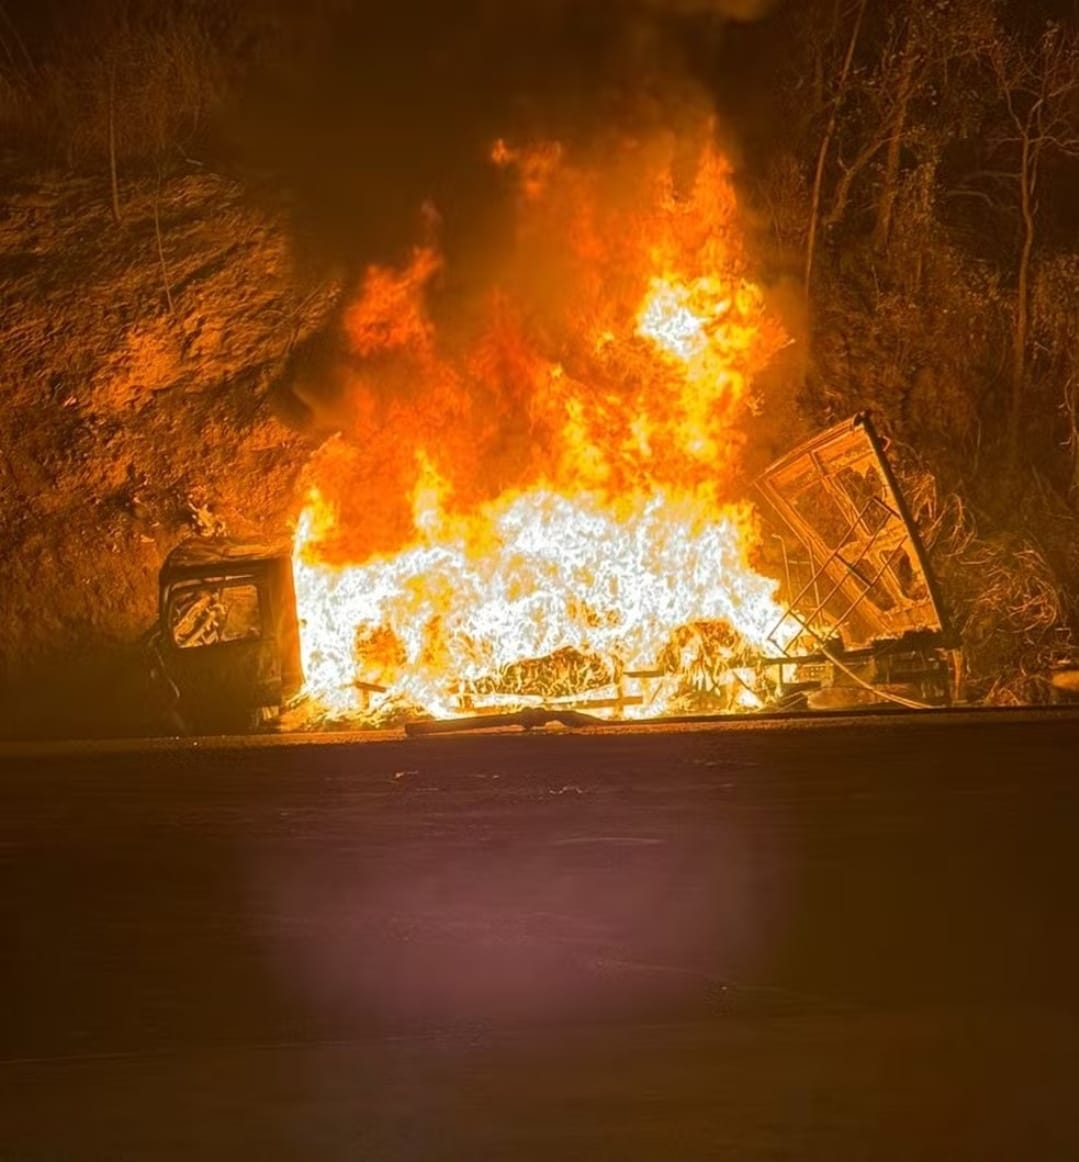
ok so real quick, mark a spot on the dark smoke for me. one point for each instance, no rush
(742, 11)
(373, 110)
(378, 111)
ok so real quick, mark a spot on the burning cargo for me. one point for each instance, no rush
(854, 618)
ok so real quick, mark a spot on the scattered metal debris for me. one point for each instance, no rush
(863, 612)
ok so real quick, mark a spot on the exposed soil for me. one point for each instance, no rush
(132, 416)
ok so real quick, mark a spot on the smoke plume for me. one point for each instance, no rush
(381, 112)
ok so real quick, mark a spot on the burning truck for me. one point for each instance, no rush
(536, 500)
(855, 619)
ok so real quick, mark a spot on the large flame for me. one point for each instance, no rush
(531, 505)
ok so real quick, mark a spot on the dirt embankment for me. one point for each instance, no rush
(136, 366)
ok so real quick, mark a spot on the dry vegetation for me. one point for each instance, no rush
(129, 79)
(1008, 604)
(925, 177)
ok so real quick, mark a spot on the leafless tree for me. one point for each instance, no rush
(912, 96)
(1038, 87)
(835, 106)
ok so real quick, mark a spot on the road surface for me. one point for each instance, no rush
(838, 940)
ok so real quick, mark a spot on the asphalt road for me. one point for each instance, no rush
(843, 940)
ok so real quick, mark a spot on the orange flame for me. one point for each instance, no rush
(529, 506)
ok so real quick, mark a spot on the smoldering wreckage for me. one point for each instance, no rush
(860, 622)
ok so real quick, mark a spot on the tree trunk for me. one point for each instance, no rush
(1027, 176)
(160, 244)
(112, 143)
(889, 189)
(846, 183)
(826, 143)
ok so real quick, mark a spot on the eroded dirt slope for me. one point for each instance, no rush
(131, 415)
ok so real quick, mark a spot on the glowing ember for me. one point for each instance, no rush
(532, 512)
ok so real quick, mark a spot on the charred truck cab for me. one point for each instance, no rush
(226, 650)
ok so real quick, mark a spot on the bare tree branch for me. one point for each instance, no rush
(826, 142)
